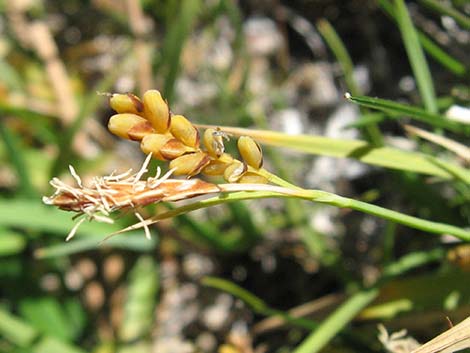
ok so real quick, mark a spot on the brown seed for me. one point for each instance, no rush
(234, 171)
(156, 110)
(129, 126)
(163, 147)
(140, 130)
(250, 151)
(190, 164)
(213, 141)
(182, 129)
(252, 178)
(126, 103)
(174, 148)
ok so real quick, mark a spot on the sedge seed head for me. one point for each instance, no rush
(122, 192)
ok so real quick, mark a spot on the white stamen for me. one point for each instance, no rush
(74, 229)
(146, 229)
(103, 219)
(144, 169)
(75, 176)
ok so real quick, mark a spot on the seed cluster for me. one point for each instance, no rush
(173, 138)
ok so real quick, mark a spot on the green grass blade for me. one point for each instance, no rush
(42, 124)
(35, 216)
(413, 260)
(179, 24)
(336, 45)
(372, 133)
(366, 119)
(205, 233)
(15, 330)
(256, 303)
(16, 154)
(134, 241)
(443, 9)
(242, 216)
(47, 316)
(250, 299)
(396, 110)
(447, 61)
(141, 299)
(416, 57)
(54, 345)
(337, 321)
(450, 63)
(11, 242)
(356, 149)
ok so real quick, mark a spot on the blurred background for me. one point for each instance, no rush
(270, 64)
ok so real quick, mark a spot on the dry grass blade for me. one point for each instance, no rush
(459, 149)
(452, 340)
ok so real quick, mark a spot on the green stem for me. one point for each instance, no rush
(235, 192)
(398, 217)
(395, 216)
(442, 9)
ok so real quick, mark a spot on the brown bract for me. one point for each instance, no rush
(122, 192)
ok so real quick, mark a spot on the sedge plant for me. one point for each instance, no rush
(191, 154)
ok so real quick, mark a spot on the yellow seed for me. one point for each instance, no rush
(126, 103)
(153, 143)
(215, 167)
(182, 129)
(129, 126)
(252, 178)
(190, 164)
(250, 151)
(156, 110)
(163, 147)
(234, 171)
(226, 158)
(213, 141)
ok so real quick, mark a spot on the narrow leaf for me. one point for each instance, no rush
(356, 149)
(416, 57)
(442, 57)
(398, 110)
(16, 330)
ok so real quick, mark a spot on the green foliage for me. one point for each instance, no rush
(51, 289)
